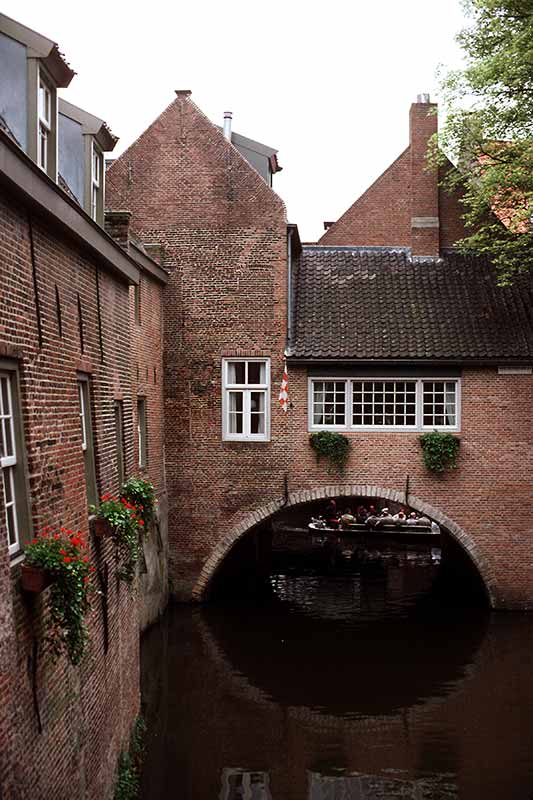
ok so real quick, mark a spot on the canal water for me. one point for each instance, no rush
(339, 684)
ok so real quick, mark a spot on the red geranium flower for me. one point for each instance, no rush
(67, 560)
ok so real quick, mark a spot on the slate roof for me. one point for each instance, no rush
(380, 304)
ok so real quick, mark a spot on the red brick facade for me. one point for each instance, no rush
(406, 206)
(85, 713)
(223, 231)
(223, 234)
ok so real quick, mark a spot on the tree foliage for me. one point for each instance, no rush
(491, 140)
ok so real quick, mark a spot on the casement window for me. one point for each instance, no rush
(142, 432)
(44, 124)
(119, 439)
(246, 399)
(87, 443)
(12, 462)
(96, 168)
(384, 404)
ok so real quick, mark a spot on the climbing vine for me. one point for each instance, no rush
(129, 764)
(440, 451)
(332, 446)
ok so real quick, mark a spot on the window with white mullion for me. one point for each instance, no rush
(83, 424)
(8, 461)
(44, 124)
(439, 404)
(246, 398)
(383, 404)
(10, 505)
(329, 403)
(8, 453)
(95, 180)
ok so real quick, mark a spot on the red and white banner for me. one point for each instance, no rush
(284, 391)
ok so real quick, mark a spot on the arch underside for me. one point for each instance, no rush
(303, 496)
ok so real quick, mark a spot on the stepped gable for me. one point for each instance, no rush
(380, 304)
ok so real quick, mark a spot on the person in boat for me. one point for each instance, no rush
(400, 518)
(386, 516)
(347, 519)
(361, 514)
(374, 520)
(425, 521)
(331, 515)
(412, 519)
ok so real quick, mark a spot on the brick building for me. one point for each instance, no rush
(80, 391)
(224, 235)
(160, 315)
(380, 315)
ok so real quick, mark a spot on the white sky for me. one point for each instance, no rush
(328, 84)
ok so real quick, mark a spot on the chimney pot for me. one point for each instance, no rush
(227, 125)
(423, 98)
(183, 92)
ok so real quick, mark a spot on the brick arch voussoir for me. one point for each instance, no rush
(302, 496)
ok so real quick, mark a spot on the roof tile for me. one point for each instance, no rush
(380, 304)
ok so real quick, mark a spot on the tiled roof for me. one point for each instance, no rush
(379, 304)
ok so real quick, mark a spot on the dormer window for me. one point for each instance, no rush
(96, 160)
(44, 125)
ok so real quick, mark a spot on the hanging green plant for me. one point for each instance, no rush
(332, 446)
(140, 493)
(63, 555)
(440, 451)
(126, 525)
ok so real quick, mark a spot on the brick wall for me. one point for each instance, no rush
(146, 367)
(401, 207)
(147, 382)
(223, 231)
(86, 713)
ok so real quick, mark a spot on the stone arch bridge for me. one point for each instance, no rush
(465, 539)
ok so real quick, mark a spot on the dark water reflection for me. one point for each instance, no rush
(338, 687)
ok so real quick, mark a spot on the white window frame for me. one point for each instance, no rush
(82, 416)
(142, 432)
(419, 425)
(247, 389)
(44, 124)
(8, 465)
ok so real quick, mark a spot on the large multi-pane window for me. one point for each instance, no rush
(329, 403)
(12, 462)
(388, 403)
(87, 444)
(384, 403)
(246, 393)
(440, 404)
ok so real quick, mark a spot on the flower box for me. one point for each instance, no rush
(34, 579)
(101, 528)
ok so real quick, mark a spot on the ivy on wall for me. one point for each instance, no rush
(334, 447)
(440, 451)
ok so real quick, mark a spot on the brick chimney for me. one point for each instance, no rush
(424, 183)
